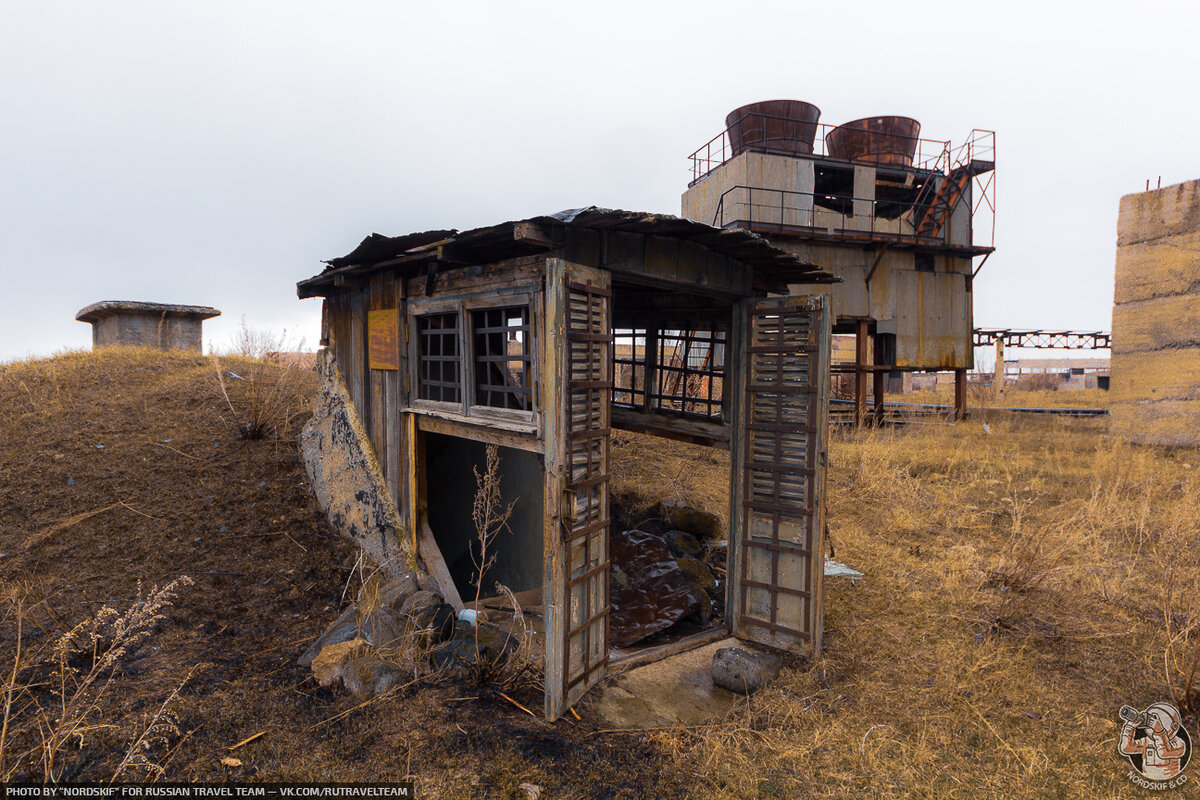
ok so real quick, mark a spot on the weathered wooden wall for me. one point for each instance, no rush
(1155, 388)
(380, 395)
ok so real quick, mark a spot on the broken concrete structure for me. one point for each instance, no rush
(163, 325)
(1155, 381)
(891, 214)
(540, 337)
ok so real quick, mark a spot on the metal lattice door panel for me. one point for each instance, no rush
(780, 455)
(578, 458)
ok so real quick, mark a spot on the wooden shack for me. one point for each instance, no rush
(512, 334)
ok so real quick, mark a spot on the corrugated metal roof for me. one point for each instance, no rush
(496, 242)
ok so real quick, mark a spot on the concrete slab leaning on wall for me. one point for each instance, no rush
(346, 477)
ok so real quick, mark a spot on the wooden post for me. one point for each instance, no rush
(960, 394)
(860, 372)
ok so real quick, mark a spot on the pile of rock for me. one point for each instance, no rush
(396, 633)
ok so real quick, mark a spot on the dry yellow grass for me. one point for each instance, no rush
(1017, 398)
(1014, 600)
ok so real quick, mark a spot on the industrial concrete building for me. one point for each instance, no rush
(163, 325)
(1156, 317)
(893, 215)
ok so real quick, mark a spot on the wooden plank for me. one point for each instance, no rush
(431, 554)
(554, 569)
(479, 431)
(393, 467)
(627, 659)
(412, 494)
(510, 274)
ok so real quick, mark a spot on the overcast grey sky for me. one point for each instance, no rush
(214, 152)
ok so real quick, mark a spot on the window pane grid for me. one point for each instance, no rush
(502, 358)
(629, 367)
(690, 373)
(439, 378)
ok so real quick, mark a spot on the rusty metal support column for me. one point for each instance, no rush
(960, 394)
(860, 372)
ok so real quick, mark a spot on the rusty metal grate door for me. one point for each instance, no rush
(779, 459)
(579, 331)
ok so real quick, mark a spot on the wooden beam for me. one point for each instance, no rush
(714, 434)
(532, 233)
(483, 431)
(431, 554)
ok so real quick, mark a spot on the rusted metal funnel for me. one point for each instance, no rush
(782, 127)
(880, 140)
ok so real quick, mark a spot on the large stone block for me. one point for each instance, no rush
(1161, 323)
(1170, 211)
(1158, 268)
(1171, 374)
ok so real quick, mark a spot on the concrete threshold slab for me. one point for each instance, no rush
(677, 690)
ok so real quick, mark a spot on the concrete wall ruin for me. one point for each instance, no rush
(166, 326)
(346, 477)
(1156, 317)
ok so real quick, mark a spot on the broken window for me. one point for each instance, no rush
(629, 367)
(502, 358)
(439, 375)
(690, 372)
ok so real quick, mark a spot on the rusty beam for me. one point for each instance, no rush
(1044, 340)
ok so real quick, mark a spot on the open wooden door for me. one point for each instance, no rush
(578, 386)
(780, 424)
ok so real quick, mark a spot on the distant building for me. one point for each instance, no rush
(162, 325)
(1065, 374)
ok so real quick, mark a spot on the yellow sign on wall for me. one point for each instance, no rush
(383, 341)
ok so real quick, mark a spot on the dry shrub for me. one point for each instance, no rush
(54, 693)
(1017, 592)
(1045, 382)
(262, 380)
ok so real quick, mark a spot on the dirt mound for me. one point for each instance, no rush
(127, 468)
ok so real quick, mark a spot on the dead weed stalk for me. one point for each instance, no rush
(53, 695)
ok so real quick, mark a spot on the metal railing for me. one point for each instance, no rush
(793, 212)
(784, 136)
(929, 154)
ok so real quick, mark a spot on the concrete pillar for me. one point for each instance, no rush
(860, 371)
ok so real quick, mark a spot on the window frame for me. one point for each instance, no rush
(464, 307)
